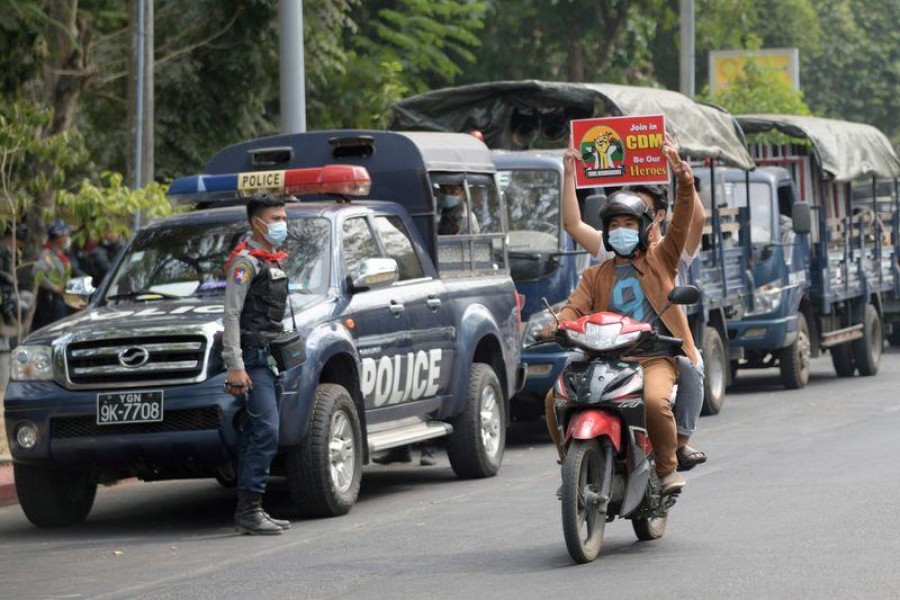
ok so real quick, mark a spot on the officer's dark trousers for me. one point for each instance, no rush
(259, 424)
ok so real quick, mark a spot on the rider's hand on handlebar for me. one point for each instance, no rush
(547, 332)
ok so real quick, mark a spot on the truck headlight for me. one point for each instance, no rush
(536, 322)
(32, 363)
(766, 299)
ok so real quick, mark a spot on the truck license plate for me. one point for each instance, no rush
(129, 407)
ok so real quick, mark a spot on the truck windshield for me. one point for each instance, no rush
(532, 206)
(188, 260)
(761, 203)
(532, 203)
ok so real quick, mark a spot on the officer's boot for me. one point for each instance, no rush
(280, 522)
(249, 517)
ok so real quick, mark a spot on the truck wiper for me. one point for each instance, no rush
(149, 295)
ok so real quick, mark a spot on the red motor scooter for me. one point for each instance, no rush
(609, 466)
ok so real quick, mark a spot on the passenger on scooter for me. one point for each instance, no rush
(689, 398)
(636, 283)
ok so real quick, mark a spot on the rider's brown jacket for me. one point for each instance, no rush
(656, 269)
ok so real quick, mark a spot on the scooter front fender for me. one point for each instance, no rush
(593, 423)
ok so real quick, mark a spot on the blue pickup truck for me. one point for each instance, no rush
(409, 336)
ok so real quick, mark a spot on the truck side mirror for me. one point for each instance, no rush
(78, 292)
(592, 206)
(801, 217)
(376, 272)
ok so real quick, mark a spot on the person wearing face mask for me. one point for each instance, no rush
(689, 399)
(454, 217)
(51, 271)
(636, 282)
(256, 295)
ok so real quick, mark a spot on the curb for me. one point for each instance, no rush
(7, 485)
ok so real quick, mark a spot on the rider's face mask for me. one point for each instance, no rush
(623, 240)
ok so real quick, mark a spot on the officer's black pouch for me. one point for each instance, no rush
(288, 350)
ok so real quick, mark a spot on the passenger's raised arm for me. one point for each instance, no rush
(584, 235)
(687, 212)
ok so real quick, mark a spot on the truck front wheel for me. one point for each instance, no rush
(796, 357)
(54, 497)
(325, 470)
(715, 365)
(867, 349)
(476, 446)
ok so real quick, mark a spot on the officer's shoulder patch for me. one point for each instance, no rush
(241, 270)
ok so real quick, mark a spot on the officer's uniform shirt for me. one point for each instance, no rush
(240, 275)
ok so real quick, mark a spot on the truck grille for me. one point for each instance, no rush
(175, 420)
(172, 359)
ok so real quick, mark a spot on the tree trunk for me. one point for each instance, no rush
(66, 73)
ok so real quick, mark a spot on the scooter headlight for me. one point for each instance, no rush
(604, 337)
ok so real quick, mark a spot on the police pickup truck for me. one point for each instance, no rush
(408, 336)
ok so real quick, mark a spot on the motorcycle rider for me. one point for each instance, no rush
(689, 400)
(635, 283)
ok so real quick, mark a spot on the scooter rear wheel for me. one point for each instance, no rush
(649, 529)
(587, 477)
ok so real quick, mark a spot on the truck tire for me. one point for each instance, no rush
(325, 470)
(867, 349)
(795, 358)
(475, 448)
(54, 497)
(842, 359)
(715, 365)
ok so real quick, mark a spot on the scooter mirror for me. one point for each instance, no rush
(684, 294)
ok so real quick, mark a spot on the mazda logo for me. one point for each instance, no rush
(134, 357)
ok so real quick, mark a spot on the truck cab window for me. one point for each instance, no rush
(399, 247)
(359, 243)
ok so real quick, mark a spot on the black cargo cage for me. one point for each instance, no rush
(398, 162)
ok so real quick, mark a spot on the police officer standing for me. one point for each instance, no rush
(52, 270)
(255, 301)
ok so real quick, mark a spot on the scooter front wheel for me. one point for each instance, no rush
(587, 481)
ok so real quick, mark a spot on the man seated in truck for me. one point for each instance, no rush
(454, 215)
(648, 271)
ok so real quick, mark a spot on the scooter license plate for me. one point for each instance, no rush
(129, 407)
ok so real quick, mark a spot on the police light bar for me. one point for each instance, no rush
(345, 180)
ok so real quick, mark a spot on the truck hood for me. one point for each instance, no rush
(158, 314)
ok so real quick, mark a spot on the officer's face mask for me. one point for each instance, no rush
(623, 240)
(67, 244)
(276, 232)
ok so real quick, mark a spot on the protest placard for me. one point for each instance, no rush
(620, 150)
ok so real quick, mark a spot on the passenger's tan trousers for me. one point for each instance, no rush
(659, 378)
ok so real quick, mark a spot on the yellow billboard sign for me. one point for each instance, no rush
(725, 65)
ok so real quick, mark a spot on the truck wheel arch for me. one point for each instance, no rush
(341, 369)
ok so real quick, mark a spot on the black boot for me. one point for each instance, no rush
(249, 517)
(280, 522)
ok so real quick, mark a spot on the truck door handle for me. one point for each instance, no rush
(433, 303)
(396, 308)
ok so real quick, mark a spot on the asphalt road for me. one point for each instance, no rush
(800, 499)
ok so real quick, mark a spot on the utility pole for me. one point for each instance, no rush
(292, 67)
(686, 63)
(140, 91)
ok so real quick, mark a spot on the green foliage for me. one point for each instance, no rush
(24, 149)
(395, 48)
(759, 90)
(93, 209)
(568, 40)
(856, 74)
